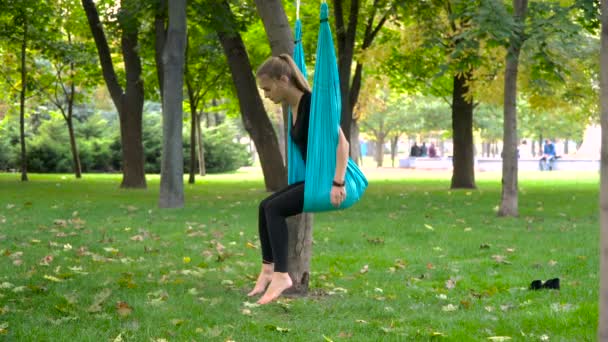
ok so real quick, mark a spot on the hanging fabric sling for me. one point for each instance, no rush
(319, 170)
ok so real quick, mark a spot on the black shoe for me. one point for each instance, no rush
(551, 284)
(536, 285)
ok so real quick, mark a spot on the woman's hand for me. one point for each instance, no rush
(337, 195)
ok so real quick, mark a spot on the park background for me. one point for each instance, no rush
(105, 107)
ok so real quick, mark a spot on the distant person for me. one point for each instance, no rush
(548, 158)
(415, 150)
(432, 151)
(523, 150)
(423, 150)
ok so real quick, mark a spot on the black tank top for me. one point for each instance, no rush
(299, 131)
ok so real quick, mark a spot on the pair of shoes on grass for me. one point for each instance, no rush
(551, 284)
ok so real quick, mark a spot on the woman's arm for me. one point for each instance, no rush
(338, 193)
(341, 157)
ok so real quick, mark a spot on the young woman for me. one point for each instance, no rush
(282, 82)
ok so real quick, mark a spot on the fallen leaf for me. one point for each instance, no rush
(364, 269)
(276, 328)
(552, 262)
(250, 245)
(177, 322)
(137, 237)
(123, 309)
(246, 312)
(46, 261)
(51, 278)
(499, 338)
(99, 299)
(450, 283)
(429, 227)
(449, 308)
(250, 305)
(501, 259)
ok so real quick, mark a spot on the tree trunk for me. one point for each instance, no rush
(394, 147)
(74, 147)
(133, 104)
(380, 151)
(128, 103)
(603, 295)
(201, 148)
(346, 49)
(172, 164)
(300, 252)
(300, 227)
(253, 114)
(22, 102)
(509, 200)
(355, 146)
(462, 125)
(160, 31)
(194, 100)
(193, 140)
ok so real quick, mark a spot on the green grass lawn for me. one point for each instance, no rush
(82, 260)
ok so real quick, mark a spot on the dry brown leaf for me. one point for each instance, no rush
(123, 309)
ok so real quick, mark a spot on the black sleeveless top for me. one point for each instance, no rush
(299, 130)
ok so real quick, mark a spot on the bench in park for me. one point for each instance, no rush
(495, 164)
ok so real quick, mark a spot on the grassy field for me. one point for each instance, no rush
(82, 260)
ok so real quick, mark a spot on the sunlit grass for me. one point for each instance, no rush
(412, 261)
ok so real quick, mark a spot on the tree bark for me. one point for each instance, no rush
(603, 295)
(276, 25)
(172, 163)
(346, 49)
(355, 146)
(193, 99)
(253, 114)
(380, 151)
(201, 148)
(509, 200)
(462, 125)
(128, 103)
(22, 101)
(70, 122)
(160, 32)
(394, 147)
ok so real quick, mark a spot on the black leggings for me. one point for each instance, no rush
(274, 209)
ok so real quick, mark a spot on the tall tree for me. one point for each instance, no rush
(70, 57)
(602, 333)
(21, 23)
(508, 204)
(253, 114)
(128, 101)
(172, 164)
(374, 15)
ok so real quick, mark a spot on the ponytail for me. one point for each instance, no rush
(283, 65)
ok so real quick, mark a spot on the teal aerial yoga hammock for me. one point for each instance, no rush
(325, 109)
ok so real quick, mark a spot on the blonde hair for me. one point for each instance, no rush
(283, 65)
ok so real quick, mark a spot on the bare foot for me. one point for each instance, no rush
(280, 282)
(263, 280)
